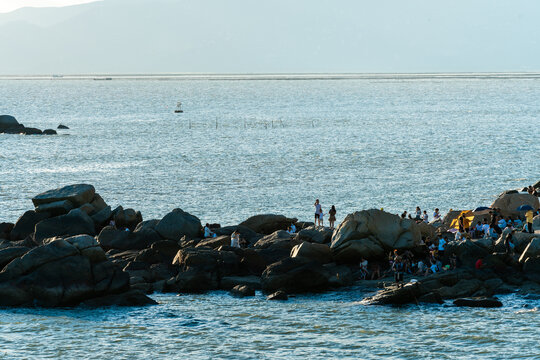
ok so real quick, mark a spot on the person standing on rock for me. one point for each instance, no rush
(317, 211)
(332, 218)
(398, 268)
(235, 239)
(425, 217)
(418, 213)
(529, 216)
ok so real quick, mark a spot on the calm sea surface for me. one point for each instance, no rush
(273, 146)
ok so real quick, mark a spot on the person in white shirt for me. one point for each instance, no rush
(425, 216)
(436, 215)
(317, 210)
(321, 218)
(235, 239)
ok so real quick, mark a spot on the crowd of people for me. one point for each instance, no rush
(432, 258)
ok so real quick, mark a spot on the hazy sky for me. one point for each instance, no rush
(10, 5)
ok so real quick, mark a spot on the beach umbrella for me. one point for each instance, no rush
(525, 207)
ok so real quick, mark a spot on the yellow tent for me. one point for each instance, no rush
(469, 217)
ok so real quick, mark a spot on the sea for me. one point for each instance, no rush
(254, 144)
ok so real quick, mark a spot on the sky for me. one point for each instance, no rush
(269, 36)
(10, 5)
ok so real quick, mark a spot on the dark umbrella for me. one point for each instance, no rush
(482, 210)
(525, 207)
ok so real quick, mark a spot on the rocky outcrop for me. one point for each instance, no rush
(531, 268)
(77, 194)
(295, 275)
(76, 222)
(278, 238)
(7, 122)
(317, 252)
(60, 273)
(179, 223)
(532, 250)
(113, 238)
(371, 234)
(268, 223)
(509, 202)
(467, 252)
(242, 291)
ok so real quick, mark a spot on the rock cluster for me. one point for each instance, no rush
(10, 125)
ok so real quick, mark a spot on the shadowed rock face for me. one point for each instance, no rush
(61, 273)
(371, 234)
(179, 223)
(7, 122)
(296, 275)
(76, 222)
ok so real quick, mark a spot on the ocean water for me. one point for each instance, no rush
(244, 147)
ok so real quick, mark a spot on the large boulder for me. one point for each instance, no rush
(216, 242)
(371, 234)
(295, 275)
(222, 263)
(467, 252)
(245, 233)
(532, 250)
(61, 273)
(315, 234)
(7, 122)
(268, 223)
(531, 268)
(313, 251)
(77, 194)
(179, 223)
(11, 253)
(112, 238)
(536, 222)
(55, 208)
(76, 222)
(26, 224)
(279, 238)
(508, 203)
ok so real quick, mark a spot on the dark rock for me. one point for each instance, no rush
(531, 268)
(7, 122)
(315, 234)
(5, 230)
(395, 295)
(229, 282)
(253, 262)
(177, 224)
(103, 216)
(26, 224)
(313, 251)
(77, 194)
(8, 254)
(242, 291)
(193, 281)
(432, 298)
(222, 263)
(55, 208)
(483, 302)
(464, 287)
(268, 223)
(245, 233)
(215, 243)
(295, 275)
(64, 127)
(49, 132)
(61, 273)
(31, 131)
(128, 298)
(112, 238)
(167, 250)
(278, 238)
(15, 130)
(467, 252)
(98, 203)
(340, 275)
(147, 224)
(76, 222)
(278, 295)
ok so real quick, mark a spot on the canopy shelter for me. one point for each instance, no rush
(469, 217)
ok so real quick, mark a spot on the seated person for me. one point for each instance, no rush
(291, 229)
(436, 215)
(207, 232)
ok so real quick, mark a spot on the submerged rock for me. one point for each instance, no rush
(278, 295)
(483, 302)
(63, 127)
(49, 132)
(242, 291)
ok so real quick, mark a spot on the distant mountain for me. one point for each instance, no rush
(246, 36)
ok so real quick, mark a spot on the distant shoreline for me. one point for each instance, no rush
(283, 76)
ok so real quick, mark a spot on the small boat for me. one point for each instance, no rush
(178, 108)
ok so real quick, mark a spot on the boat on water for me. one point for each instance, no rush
(178, 108)
(106, 78)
